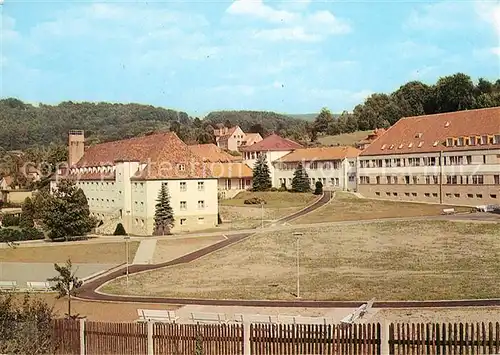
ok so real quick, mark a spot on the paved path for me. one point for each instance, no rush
(145, 252)
(24, 272)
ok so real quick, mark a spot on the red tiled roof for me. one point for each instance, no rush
(320, 153)
(272, 143)
(212, 153)
(231, 170)
(165, 156)
(422, 134)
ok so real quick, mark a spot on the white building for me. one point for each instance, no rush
(334, 167)
(122, 180)
(274, 147)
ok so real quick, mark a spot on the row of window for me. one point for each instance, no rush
(314, 165)
(312, 181)
(473, 140)
(431, 179)
(434, 194)
(183, 186)
(425, 161)
(183, 205)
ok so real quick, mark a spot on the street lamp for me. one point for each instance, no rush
(127, 238)
(262, 214)
(298, 235)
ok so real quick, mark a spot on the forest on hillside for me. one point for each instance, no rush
(28, 126)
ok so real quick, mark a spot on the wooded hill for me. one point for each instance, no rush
(25, 125)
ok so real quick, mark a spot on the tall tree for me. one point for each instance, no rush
(27, 214)
(323, 120)
(455, 93)
(164, 214)
(65, 213)
(261, 174)
(67, 284)
(300, 181)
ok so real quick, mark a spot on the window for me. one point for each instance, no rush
(313, 165)
(449, 142)
(388, 193)
(181, 167)
(460, 142)
(352, 178)
(496, 179)
(435, 179)
(407, 179)
(415, 179)
(398, 162)
(395, 180)
(493, 195)
(477, 179)
(388, 178)
(472, 140)
(457, 195)
(327, 166)
(183, 186)
(378, 180)
(351, 164)
(394, 194)
(407, 194)
(379, 163)
(414, 194)
(183, 221)
(479, 195)
(427, 180)
(388, 163)
(427, 194)
(364, 179)
(377, 193)
(470, 195)
(183, 205)
(201, 204)
(484, 159)
(468, 159)
(201, 185)
(201, 220)
(434, 194)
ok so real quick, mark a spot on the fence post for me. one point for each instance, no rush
(384, 338)
(82, 336)
(246, 338)
(150, 338)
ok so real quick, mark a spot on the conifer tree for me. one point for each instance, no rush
(300, 181)
(261, 174)
(27, 214)
(164, 215)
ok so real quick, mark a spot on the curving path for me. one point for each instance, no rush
(89, 290)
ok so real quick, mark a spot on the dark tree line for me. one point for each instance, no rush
(450, 93)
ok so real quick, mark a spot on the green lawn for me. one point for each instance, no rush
(344, 139)
(273, 199)
(418, 260)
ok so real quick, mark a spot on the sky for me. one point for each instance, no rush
(199, 56)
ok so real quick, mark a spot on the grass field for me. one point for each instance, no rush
(84, 253)
(167, 250)
(348, 207)
(273, 199)
(344, 139)
(388, 260)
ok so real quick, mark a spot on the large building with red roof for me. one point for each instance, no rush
(449, 158)
(122, 179)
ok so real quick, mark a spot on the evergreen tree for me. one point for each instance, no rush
(120, 230)
(164, 215)
(27, 214)
(319, 188)
(66, 212)
(261, 174)
(300, 181)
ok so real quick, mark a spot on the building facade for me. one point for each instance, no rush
(334, 167)
(234, 138)
(450, 158)
(274, 147)
(122, 180)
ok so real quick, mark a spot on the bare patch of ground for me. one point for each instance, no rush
(348, 207)
(167, 250)
(435, 315)
(411, 260)
(96, 311)
(82, 253)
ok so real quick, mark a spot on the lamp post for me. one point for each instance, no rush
(127, 238)
(262, 214)
(298, 235)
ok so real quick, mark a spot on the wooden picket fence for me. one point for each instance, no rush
(268, 339)
(427, 339)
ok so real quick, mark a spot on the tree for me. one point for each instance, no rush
(120, 230)
(67, 284)
(455, 93)
(164, 215)
(318, 190)
(257, 128)
(300, 181)
(66, 212)
(261, 174)
(323, 120)
(27, 214)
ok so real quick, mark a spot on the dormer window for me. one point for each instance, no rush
(460, 142)
(496, 139)
(392, 146)
(400, 146)
(410, 145)
(472, 140)
(435, 143)
(420, 144)
(447, 124)
(383, 146)
(484, 140)
(418, 135)
(449, 142)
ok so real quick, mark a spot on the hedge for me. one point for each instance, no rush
(15, 235)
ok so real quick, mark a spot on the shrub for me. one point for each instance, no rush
(273, 189)
(120, 230)
(10, 220)
(16, 235)
(319, 188)
(254, 201)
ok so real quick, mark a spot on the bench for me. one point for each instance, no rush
(208, 317)
(358, 313)
(448, 211)
(43, 286)
(256, 318)
(156, 315)
(8, 285)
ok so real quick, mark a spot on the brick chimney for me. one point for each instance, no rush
(76, 146)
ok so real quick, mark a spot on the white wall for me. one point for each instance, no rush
(270, 158)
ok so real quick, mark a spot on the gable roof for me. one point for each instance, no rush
(320, 153)
(231, 170)
(422, 134)
(251, 138)
(272, 143)
(212, 153)
(163, 155)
